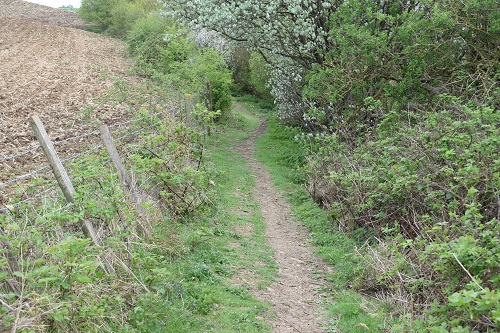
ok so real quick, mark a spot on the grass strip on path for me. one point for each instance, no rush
(348, 311)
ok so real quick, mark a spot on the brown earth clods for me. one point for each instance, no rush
(52, 68)
(27, 10)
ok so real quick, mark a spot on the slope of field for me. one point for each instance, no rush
(31, 11)
(52, 71)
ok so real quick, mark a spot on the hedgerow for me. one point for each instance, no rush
(427, 186)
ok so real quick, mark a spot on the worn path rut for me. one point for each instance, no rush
(294, 295)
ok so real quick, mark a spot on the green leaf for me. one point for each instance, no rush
(4, 276)
(83, 279)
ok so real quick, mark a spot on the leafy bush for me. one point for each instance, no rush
(259, 76)
(167, 51)
(116, 17)
(241, 71)
(98, 12)
(172, 160)
(147, 41)
(402, 55)
(429, 181)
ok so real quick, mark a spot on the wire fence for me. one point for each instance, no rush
(32, 201)
(51, 234)
(129, 128)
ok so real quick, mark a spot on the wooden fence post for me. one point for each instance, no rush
(54, 161)
(62, 177)
(115, 157)
(210, 107)
(122, 174)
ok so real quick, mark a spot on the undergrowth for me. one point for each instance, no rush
(422, 188)
(166, 258)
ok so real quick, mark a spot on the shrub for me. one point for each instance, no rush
(116, 17)
(433, 179)
(162, 47)
(98, 12)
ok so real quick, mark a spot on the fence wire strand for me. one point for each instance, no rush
(13, 156)
(82, 153)
(71, 158)
(76, 137)
(134, 120)
(28, 175)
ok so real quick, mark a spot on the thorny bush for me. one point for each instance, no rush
(429, 182)
(172, 158)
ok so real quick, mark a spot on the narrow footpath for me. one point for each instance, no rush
(294, 295)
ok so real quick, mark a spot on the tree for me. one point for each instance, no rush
(290, 36)
(98, 12)
(116, 17)
(330, 59)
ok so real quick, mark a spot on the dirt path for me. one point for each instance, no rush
(293, 294)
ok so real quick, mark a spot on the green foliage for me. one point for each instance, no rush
(116, 17)
(260, 76)
(241, 71)
(167, 52)
(402, 55)
(429, 182)
(124, 14)
(98, 12)
(146, 39)
(172, 158)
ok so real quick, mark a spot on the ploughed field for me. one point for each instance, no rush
(49, 66)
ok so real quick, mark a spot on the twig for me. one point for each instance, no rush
(466, 271)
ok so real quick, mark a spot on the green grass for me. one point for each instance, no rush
(348, 311)
(196, 291)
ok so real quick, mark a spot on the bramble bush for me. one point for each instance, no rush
(427, 183)
(172, 160)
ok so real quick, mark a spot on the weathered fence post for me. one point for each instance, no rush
(54, 161)
(210, 107)
(122, 174)
(115, 157)
(63, 178)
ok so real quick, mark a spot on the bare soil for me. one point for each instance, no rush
(52, 68)
(30, 11)
(294, 295)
